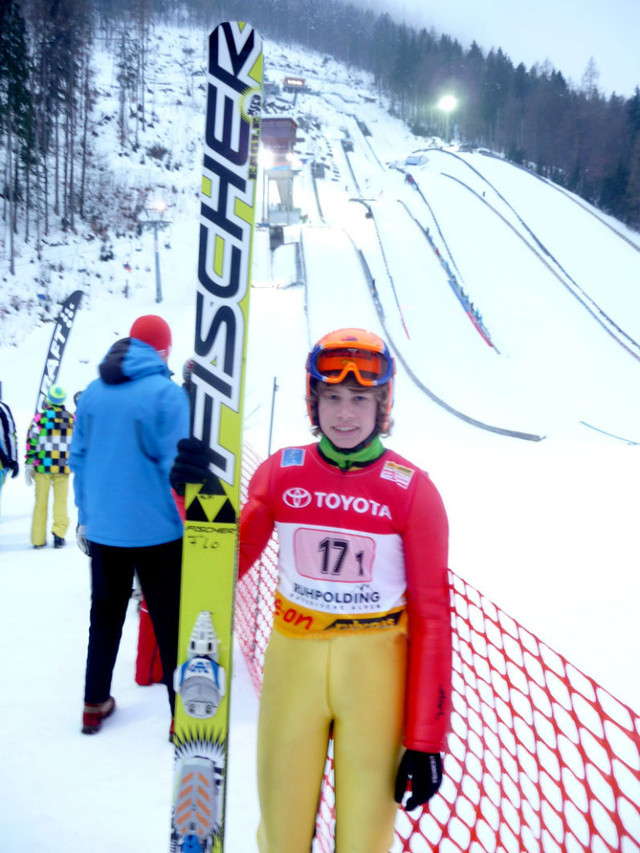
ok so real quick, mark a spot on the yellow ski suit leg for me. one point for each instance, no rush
(60, 494)
(356, 682)
(39, 521)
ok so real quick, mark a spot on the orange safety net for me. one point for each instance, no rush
(540, 759)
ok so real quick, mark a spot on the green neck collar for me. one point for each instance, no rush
(351, 458)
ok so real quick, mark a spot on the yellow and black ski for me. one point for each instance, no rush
(209, 566)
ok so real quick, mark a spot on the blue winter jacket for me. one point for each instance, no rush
(128, 424)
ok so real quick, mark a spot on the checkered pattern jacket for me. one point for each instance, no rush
(49, 440)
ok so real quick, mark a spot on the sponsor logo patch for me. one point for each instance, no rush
(399, 474)
(292, 456)
(296, 497)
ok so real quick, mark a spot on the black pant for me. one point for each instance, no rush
(112, 569)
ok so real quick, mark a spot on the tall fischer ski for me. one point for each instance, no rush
(56, 347)
(209, 566)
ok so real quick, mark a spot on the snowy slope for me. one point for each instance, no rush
(546, 529)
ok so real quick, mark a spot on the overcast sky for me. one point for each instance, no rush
(566, 32)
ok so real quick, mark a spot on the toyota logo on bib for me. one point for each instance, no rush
(297, 498)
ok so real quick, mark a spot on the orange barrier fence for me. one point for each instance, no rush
(540, 758)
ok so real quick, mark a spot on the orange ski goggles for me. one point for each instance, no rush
(369, 368)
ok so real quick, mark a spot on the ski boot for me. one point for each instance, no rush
(93, 715)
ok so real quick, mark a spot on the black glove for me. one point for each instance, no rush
(15, 467)
(191, 465)
(424, 769)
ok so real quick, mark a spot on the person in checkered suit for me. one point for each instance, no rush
(47, 466)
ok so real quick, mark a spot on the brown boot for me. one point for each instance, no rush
(93, 715)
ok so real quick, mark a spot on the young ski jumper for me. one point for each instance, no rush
(361, 642)
(47, 466)
(8, 445)
(128, 425)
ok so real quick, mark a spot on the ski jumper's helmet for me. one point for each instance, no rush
(353, 353)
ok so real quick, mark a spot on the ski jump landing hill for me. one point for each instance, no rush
(473, 222)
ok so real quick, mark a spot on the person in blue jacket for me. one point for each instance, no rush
(128, 424)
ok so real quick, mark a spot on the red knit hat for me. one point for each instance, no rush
(155, 331)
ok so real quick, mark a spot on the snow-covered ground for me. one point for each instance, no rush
(547, 529)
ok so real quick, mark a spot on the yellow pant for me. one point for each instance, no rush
(356, 682)
(60, 485)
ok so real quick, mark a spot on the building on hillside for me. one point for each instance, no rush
(294, 84)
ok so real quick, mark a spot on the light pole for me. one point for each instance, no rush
(158, 223)
(447, 104)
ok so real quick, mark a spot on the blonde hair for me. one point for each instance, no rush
(384, 422)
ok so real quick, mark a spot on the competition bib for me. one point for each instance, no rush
(331, 579)
(347, 557)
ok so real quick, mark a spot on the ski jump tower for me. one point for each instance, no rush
(278, 140)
